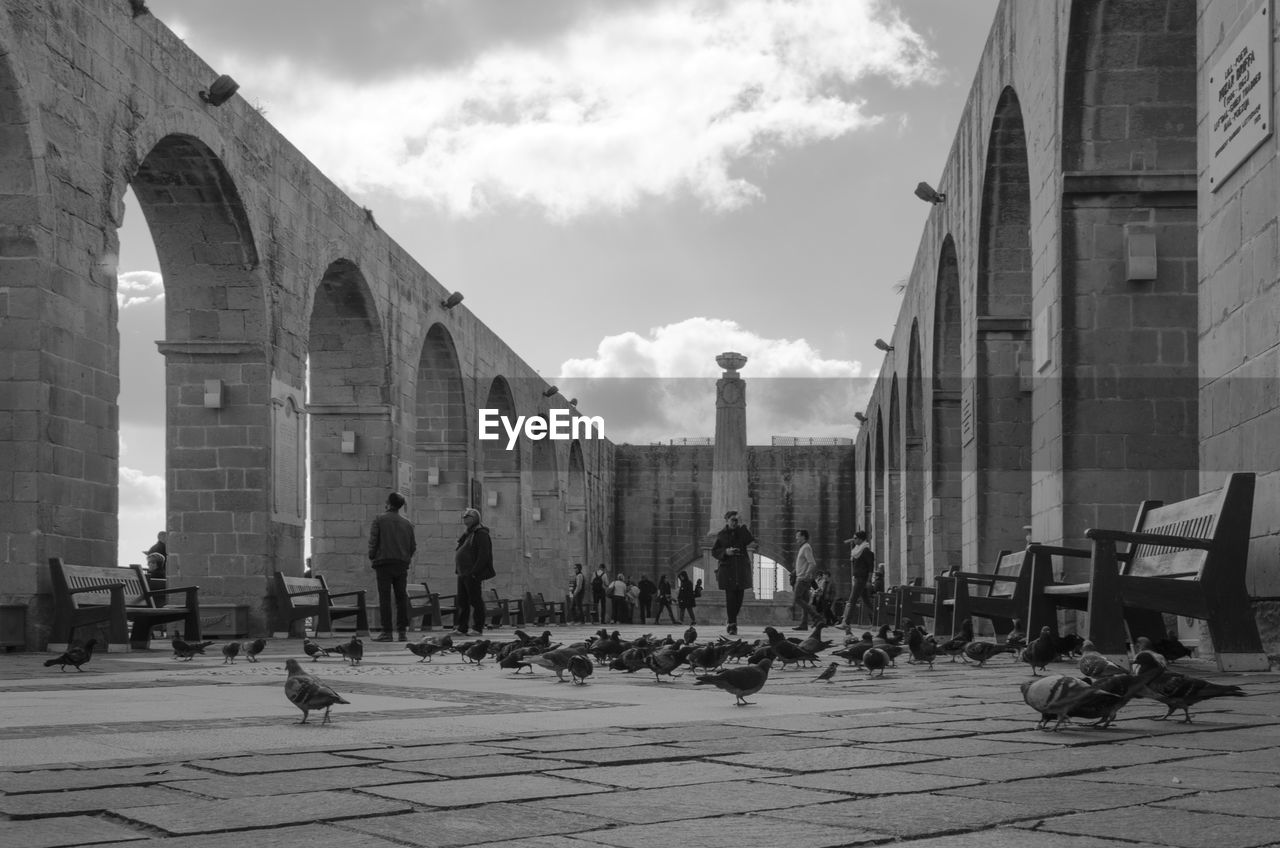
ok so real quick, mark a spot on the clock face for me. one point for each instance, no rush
(731, 392)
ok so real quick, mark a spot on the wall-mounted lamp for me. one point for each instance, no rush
(433, 476)
(1139, 254)
(221, 91)
(139, 8)
(348, 441)
(550, 390)
(213, 394)
(862, 419)
(929, 194)
(883, 345)
(537, 513)
(493, 498)
(452, 300)
(368, 214)
(573, 402)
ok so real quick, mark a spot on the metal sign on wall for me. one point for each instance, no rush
(1239, 94)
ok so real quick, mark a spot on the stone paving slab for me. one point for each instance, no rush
(618, 756)
(1177, 828)
(826, 759)
(273, 762)
(57, 780)
(477, 825)
(1005, 837)
(575, 742)
(754, 744)
(1186, 774)
(304, 836)
(467, 766)
(732, 832)
(245, 813)
(963, 747)
(1263, 802)
(65, 830)
(444, 750)
(646, 775)
(1102, 756)
(36, 805)
(274, 783)
(927, 814)
(672, 803)
(878, 781)
(1236, 739)
(1057, 795)
(1264, 760)
(468, 792)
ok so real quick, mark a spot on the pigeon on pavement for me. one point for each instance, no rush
(313, 649)
(1042, 651)
(580, 668)
(1175, 690)
(76, 655)
(425, 649)
(230, 651)
(254, 648)
(741, 681)
(308, 693)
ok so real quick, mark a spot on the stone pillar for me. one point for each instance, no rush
(728, 470)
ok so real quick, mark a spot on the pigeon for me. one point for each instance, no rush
(788, 652)
(1041, 652)
(923, 650)
(815, 644)
(1177, 691)
(580, 668)
(1095, 666)
(76, 655)
(230, 651)
(557, 661)
(512, 660)
(981, 651)
(313, 649)
(1171, 649)
(690, 635)
(828, 673)
(954, 647)
(184, 650)
(1017, 637)
(667, 660)
(309, 693)
(739, 682)
(353, 650)
(425, 649)
(254, 648)
(476, 653)
(1062, 697)
(852, 654)
(875, 659)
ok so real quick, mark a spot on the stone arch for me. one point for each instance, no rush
(1129, 157)
(441, 450)
(502, 497)
(891, 550)
(1002, 402)
(575, 508)
(913, 515)
(347, 398)
(866, 519)
(878, 531)
(944, 440)
(218, 378)
(544, 533)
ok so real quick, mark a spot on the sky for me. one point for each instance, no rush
(622, 190)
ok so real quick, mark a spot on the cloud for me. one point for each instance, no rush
(142, 512)
(625, 104)
(662, 385)
(135, 288)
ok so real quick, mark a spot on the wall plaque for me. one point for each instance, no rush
(1239, 95)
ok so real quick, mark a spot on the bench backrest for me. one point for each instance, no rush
(1223, 518)
(66, 577)
(1008, 565)
(300, 584)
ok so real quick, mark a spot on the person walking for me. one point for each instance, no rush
(733, 548)
(473, 563)
(664, 600)
(806, 571)
(686, 600)
(599, 592)
(391, 548)
(863, 562)
(647, 590)
(577, 592)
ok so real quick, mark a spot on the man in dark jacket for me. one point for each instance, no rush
(733, 548)
(391, 547)
(473, 562)
(647, 590)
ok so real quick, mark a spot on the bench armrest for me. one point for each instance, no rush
(1057, 550)
(983, 577)
(1157, 539)
(360, 592)
(189, 591)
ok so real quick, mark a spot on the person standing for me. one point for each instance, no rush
(733, 548)
(473, 563)
(686, 600)
(157, 557)
(647, 590)
(863, 562)
(806, 571)
(664, 600)
(391, 547)
(577, 592)
(599, 593)
(618, 599)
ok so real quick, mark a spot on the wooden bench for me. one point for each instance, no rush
(999, 596)
(432, 607)
(90, 594)
(917, 603)
(537, 610)
(299, 598)
(503, 612)
(1188, 559)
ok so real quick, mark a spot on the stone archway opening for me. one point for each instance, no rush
(945, 443)
(502, 499)
(442, 466)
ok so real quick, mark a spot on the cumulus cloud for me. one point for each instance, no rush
(142, 512)
(660, 386)
(136, 288)
(672, 99)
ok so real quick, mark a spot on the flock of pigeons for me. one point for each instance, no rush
(742, 667)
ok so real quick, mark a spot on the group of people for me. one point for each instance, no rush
(620, 600)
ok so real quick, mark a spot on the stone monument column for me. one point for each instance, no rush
(729, 468)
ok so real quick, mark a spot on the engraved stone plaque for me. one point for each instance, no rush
(1239, 96)
(288, 454)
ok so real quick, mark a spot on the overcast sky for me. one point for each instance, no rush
(621, 189)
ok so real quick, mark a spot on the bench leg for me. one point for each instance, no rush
(1106, 612)
(1236, 643)
(1041, 610)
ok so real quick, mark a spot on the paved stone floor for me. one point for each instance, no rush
(146, 750)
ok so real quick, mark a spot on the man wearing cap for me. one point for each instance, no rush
(391, 547)
(733, 547)
(863, 562)
(473, 562)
